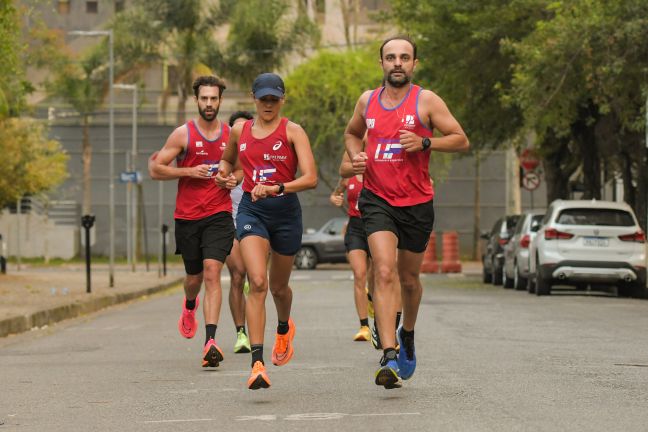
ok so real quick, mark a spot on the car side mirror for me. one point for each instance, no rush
(485, 235)
(535, 226)
(311, 230)
(332, 231)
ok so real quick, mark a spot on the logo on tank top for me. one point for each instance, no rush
(388, 150)
(223, 144)
(199, 144)
(277, 145)
(408, 121)
(242, 147)
(274, 157)
(262, 174)
(351, 186)
(202, 153)
(371, 123)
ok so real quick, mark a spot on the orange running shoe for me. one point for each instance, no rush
(282, 351)
(212, 355)
(258, 378)
(188, 323)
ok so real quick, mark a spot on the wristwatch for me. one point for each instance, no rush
(426, 143)
(281, 188)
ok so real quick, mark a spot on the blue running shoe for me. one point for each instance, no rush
(387, 375)
(407, 355)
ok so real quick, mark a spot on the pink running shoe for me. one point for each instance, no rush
(188, 323)
(212, 354)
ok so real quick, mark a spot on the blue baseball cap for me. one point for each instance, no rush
(268, 84)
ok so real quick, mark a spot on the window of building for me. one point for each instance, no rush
(63, 7)
(119, 5)
(92, 7)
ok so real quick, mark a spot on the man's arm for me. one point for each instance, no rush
(337, 195)
(438, 116)
(160, 163)
(229, 160)
(353, 134)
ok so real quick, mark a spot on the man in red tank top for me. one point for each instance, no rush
(204, 230)
(396, 203)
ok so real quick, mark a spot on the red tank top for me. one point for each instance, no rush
(353, 193)
(199, 198)
(268, 160)
(400, 178)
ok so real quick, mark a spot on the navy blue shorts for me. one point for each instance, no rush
(277, 219)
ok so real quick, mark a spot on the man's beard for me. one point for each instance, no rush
(398, 82)
(208, 116)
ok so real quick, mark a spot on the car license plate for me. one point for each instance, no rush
(596, 241)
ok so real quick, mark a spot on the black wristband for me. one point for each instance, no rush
(281, 189)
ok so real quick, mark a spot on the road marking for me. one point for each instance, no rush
(383, 414)
(318, 416)
(259, 417)
(178, 421)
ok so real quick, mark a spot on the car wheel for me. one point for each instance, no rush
(630, 289)
(497, 275)
(306, 258)
(542, 285)
(507, 282)
(531, 283)
(486, 276)
(519, 282)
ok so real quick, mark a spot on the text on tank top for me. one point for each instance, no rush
(199, 198)
(268, 161)
(399, 177)
(353, 193)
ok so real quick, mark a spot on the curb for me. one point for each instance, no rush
(23, 323)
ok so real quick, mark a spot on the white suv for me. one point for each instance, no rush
(583, 242)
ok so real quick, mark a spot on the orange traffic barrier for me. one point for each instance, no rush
(450, 253)
(430, 263)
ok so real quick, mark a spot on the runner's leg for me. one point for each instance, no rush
(383, 252)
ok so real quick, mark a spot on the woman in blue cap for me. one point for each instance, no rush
(269, 148)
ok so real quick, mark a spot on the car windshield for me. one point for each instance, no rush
(595, 216)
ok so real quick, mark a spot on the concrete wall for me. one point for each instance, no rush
(34, 235)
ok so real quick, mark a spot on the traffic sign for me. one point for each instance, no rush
(530, 181)
(529, 160)
(130, 177)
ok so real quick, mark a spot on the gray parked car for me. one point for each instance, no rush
(516, 251)
(493, 257)
(325, 245)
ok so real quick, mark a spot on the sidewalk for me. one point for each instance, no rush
(39, 296)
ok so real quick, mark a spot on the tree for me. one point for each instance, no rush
(580, 80)
(32, 163)
(262, 34)
(13, 85)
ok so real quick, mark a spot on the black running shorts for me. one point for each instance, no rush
(355, 236)
(208, 238)
(411, 224)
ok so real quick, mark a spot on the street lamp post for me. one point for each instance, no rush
(132, 168)
(111, 148)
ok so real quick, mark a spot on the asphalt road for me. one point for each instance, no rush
(489, 360)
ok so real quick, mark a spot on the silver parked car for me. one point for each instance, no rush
(583, 242)
(516, 251)
(325, 245)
